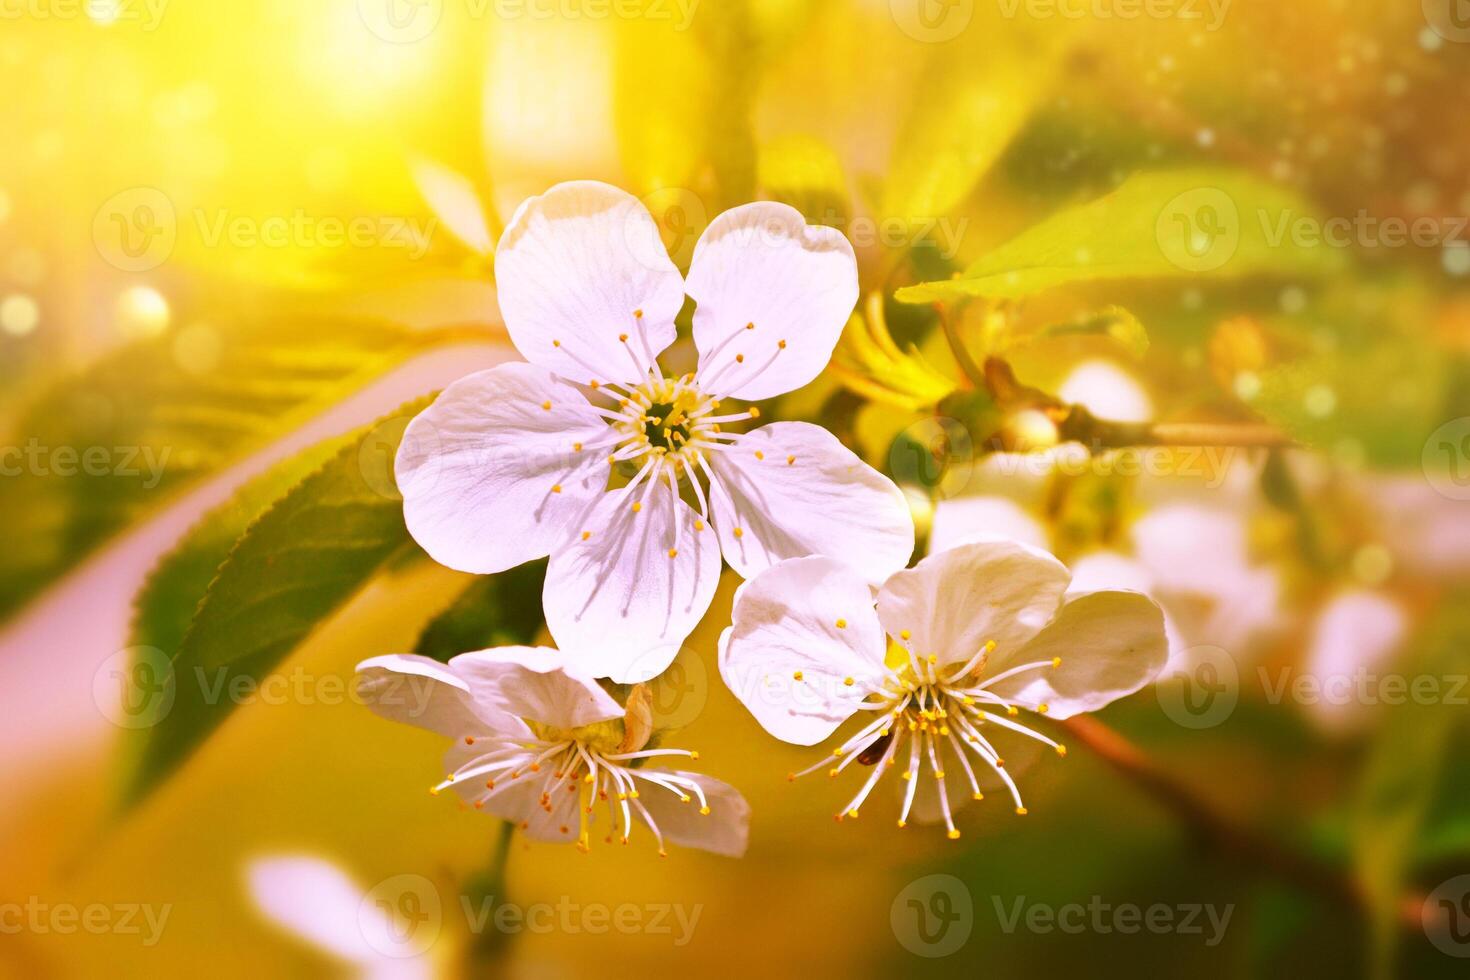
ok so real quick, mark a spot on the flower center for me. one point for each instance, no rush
(575, 771)
(927, 713)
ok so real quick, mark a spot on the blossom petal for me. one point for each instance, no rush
(1110, 644)
(580, 267)
(537, 684)
(518, 801)
(965, 520)
(724, 830)
(455, 202)
(316, 900)
(491, 476)
(622, 596)
(784, 624)
(951, 603)
(415, 690)
(774, 294)
(792, 489)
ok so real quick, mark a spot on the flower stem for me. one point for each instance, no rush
(1218, 832)
(488, 886)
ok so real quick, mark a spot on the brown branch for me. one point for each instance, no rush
(1218, 832)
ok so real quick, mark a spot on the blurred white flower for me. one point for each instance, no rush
(974, 636)
(542, 746)
(319, 903)
(1353, 639)
(1106, 391)
(512, 464)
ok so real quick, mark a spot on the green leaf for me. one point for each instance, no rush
(297, 564)
(1161, 225)
(1000, 335)
(968, 107)
(158, 416)
(493, 611)
(1403, 776)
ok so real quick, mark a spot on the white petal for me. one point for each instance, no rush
(1106, 391)
(807, 494)
(415, 690)
(965, 520)
(519, 800)
(313, 899)
(1108, 571)
(762, 264)
(575, 266)
(724, 830)
(1354, 637)
(953, 602)
(1111, 644)
(535, 683)
(455, 202)
(617, 603)
(785, 622)
(479, 468)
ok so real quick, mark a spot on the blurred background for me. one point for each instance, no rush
(1176, 289)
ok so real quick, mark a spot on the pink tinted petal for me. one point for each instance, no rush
(578, 269)
(537, 684)
(762, 277)
(491, 473)
(793, 490)
(786, 622)
(965, 520)
(725, 830)
(415, 690)
(623, 595)
(952, 602)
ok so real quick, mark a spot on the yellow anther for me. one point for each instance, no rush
(853, 813)
(586, 535)
(790, 460)
(954, 835)
(637, 506)
(904, 634)
(755, 413)
(848, 681)
(704, 811)
(979, 796)
(469, 740)
(637, 314)
(1062, 751)
(1020, 811)
(759, 454)
(750, 326)
(546, 405)
(699, 525)
(796, 676)
(623, 337)
(694, 756)
(939, 774)
(576, 447)
(556, 343)
(673, 552)
(842, 624)
(901, 824)
(684, 798)
(739, 533)
(832, 772)
(1012, 711)
(433, 791)
(781, 344)
(838, 752)
(739, 358)
(1056, 661)
(556, 488)
(1042, 709)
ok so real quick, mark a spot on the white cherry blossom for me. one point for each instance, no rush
(543, 746)
(939, 668)
(522, 461)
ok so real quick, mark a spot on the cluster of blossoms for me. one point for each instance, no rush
(628, 479)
